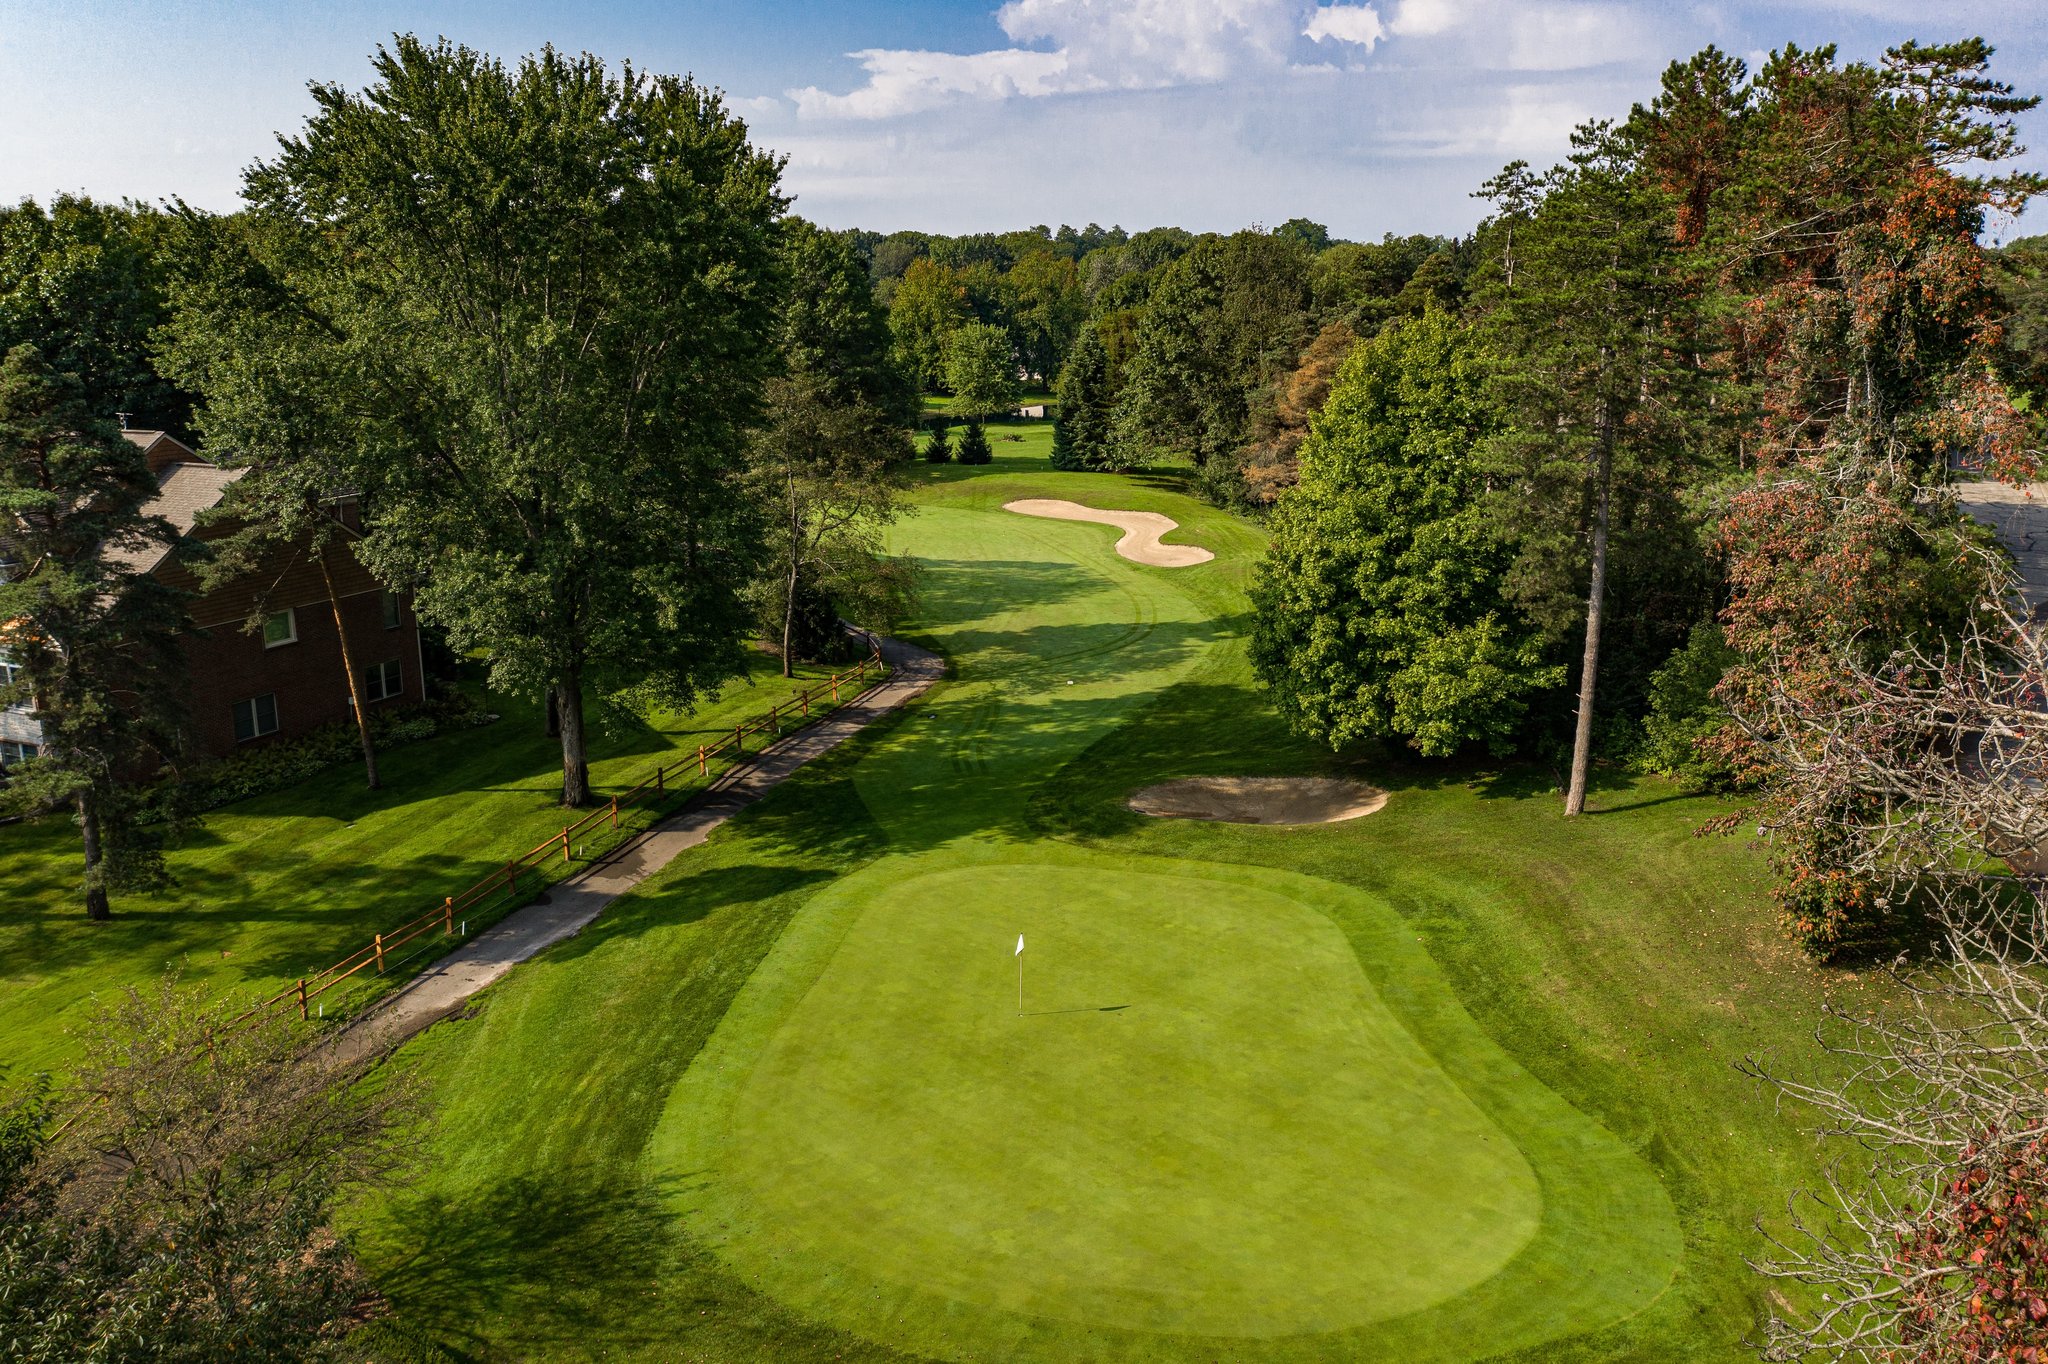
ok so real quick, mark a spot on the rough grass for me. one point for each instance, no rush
(283, 884)
(777, 1105)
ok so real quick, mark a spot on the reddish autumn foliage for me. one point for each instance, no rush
(1861, 331)
(1975, 1273)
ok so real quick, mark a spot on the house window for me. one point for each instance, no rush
(385, 680)
(280, 627)
(12, 753)
(255, 717)
(394, 616)
(10, 673)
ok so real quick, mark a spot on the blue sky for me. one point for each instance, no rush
(959, 115)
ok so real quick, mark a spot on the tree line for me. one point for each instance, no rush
(1675, 485)
(1697, 405)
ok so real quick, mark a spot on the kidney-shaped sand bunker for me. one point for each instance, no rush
(1259, 800)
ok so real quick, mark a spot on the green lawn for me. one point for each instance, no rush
(1451, 1082)
(282, 885)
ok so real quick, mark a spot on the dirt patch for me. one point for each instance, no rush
(1259, 800)
(1140, 542)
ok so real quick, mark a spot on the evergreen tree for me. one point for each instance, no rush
(95, 640)
(1587, 376)
(938, 449)
(1087, 405)
(974, 447)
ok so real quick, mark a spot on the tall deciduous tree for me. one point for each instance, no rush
(929, 302)
(830, 473)
(1223, 321)
(94, 639)
(981, 369)
(827, 463)
(831, 326)
(1049, 313)
(1380, 611)
(84, 283)
(555, 285)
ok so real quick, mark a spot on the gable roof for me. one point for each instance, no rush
(183, 491)
(161, 448)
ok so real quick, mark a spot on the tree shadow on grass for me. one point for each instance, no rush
(525, 1266)
(960, 592)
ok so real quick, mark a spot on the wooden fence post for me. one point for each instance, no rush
(448, 902)
(701, 768)
(380, 954)
(565, 845)
(739, 739)
(302, 999)
(615, 812)
(660, 775)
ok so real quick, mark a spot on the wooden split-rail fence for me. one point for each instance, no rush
(527, 874)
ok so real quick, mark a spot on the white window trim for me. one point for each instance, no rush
(374, 680)
(255, 717)
(291, 621)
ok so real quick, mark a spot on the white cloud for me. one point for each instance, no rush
(1101, 45)
(1067, 47)
(1347, 24)
(910, 82)
(1424, 18)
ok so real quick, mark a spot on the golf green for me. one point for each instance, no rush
(1240, 1113)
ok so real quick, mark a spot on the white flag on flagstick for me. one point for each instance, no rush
(1020, 946)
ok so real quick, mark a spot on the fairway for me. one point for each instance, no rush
(1208, 1123)
(1448, 1083)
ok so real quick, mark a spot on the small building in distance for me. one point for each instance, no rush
(283, 678)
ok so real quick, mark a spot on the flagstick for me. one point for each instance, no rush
(1020, 985)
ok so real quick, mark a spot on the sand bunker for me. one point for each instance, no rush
(1140, 542)
(1259, 800)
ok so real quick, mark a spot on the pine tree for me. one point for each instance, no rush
(96, 642)
(1586, 375)
(974, 447)
(1087, 402)
(939, 449)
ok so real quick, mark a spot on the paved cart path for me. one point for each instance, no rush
(448, 984)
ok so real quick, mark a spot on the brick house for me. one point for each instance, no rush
(284, 678)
